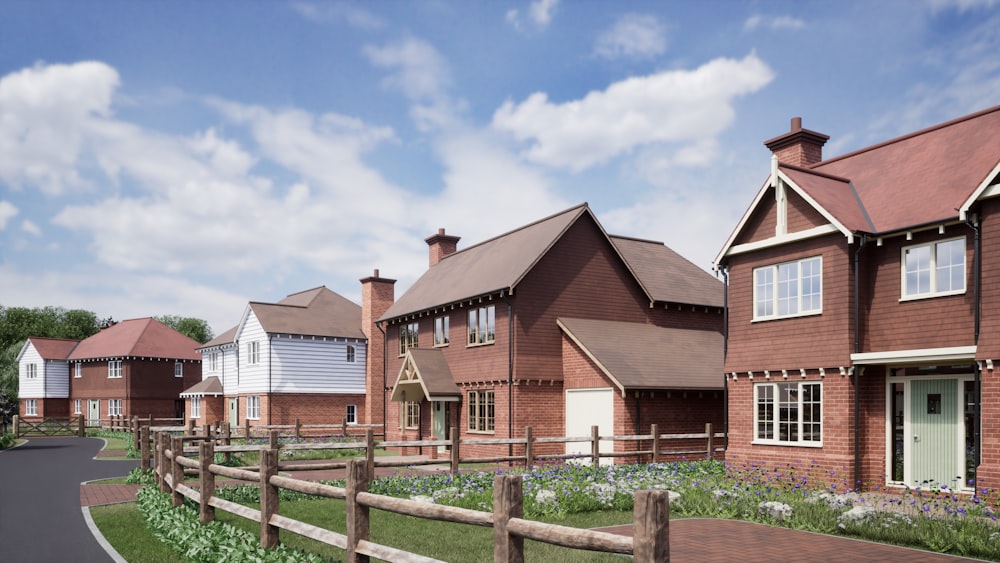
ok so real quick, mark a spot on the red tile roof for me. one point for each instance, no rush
(142, 338)
(315, 312)
(53, 348)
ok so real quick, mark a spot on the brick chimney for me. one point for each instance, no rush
(799, 147)
(441, 245)
(377, 295)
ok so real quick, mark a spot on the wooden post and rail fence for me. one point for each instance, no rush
(650, 541)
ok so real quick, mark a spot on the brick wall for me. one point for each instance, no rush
(213, 409)
(52, 408)
(308, 408)
(377, 295)
(146, 386)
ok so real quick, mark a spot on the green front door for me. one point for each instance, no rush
(234, 412)
(94, 413)
(441, 418)
(936, 457)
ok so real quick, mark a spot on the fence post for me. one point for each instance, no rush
(144, 447)
(357, 513)
(711, 437)
(227, 440)
(455, 454)
(529, 443)
(135, 432)
(508, 502)
(208, 431)
(298, 429)
(177, 470)
(272, 440)
(595, 446)
(246, 428)
(206, 480)
(343, 428)
(654, 429)
(17, 426)
(370, 452)
(651, 527)
(81, 429)
(268, 497)
(161, 461)
(190, 427)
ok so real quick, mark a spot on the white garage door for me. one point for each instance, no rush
(586, 408)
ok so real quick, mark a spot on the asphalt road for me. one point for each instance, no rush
(40, 516)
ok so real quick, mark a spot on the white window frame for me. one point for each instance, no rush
(115, 369)
(77, 405)
(78, 370)
(351, 416)
(253, 407)
(411, 415)
(213, 361)
(30, 407)
(114, 407)
(769, 291)
(482, 325)
(351, 354)
(178, 369)
(409, 336)
(195, 407)
(482, 411)
(442, 330)
(933, 270)
(771, 393)
(30, 371)
(253, 353)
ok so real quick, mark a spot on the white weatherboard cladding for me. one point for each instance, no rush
(307, 365)
(225, 369)
(31, 388)
(56, 379)
(253, 378)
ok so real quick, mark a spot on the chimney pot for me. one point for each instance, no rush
(796, 124)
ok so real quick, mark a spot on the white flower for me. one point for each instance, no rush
(546, 496)
(775, 510)
(423, 498)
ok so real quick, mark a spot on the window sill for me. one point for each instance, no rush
(783, 317)
(923, 296)
(445, 345)
(787, 444)
(484, 432)
(477, 345)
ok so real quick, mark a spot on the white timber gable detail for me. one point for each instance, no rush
(39, 378)
(254, 356)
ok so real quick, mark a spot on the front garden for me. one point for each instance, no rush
(584, 496)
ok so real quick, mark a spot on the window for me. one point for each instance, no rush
(30, 407)
(253, 408)
(788, 413)
(213, 361)
(195, 407)
(788, 290)
(114, 407)
(934, 269)
(253, 353)
(441, 329)
(407, 337)
(78, 369)
(178, 369)
(352, 414)
(77, 405)
(350, 354)
(411, 417)
(115, 368)
(30, 371)
(481, 411)
(482, 325)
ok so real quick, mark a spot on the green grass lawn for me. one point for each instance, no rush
(124, 527)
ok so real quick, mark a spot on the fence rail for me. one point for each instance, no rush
(454, 459)
(649, 543)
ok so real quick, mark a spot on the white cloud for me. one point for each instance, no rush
(758, 21)
(339, 11)
(30, 228)
(539, 13)
(7, 210)
(46, 115)
(678, 106)
(633, 36)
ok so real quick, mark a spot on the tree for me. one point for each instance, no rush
(19, 323)
(196, 329)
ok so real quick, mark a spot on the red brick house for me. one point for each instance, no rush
(303, 358)
(136, 367)
(558, 326)
(43, 377)
(860, 339)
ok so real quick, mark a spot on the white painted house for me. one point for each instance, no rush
(302, 358)
(43, 377)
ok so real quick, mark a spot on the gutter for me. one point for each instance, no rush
(270, 356)
(971, 222)
(725, 352)
(510, 373)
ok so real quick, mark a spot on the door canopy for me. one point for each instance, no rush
(425, 375)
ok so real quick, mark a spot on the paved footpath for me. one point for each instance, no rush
(40, 516)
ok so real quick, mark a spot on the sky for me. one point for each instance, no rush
(184, 158)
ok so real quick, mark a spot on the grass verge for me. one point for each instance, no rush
(125, 529)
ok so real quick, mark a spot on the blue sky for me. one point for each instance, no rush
(187, 157)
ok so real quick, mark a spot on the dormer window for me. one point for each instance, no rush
(933, 269)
